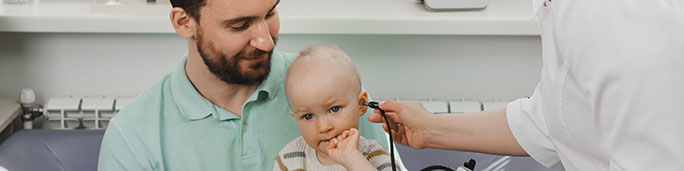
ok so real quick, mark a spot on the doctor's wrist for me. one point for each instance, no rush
(428, 130)
(436, 127)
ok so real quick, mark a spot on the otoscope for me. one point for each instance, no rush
(468, 166)
(375, 105)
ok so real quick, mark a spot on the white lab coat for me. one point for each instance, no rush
(611, 95)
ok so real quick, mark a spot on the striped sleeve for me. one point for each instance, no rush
(292, 156)
(376, 154)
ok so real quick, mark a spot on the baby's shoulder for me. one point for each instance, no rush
(294, 148)
(375, 153)
(369, 145)
(292, 156)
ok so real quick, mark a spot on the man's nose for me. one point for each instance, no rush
(262, 39)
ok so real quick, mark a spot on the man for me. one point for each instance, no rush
(224, 107)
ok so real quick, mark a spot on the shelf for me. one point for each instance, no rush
(389, 17)
(9, 110)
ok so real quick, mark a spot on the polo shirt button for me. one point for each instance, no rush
(244, 127)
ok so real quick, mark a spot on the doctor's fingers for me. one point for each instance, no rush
(377, 117)
(405, 112)
(391, 105)
(399, 136)
(394, 121)
(400, 107)
(395, 128)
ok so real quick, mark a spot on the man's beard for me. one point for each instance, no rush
(228, 69)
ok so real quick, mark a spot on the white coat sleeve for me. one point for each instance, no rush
(527, 123)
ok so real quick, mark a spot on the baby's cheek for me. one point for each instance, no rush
(308, 135)
(353, 121)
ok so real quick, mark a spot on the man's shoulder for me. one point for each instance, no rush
(132, 135)
(145, 108)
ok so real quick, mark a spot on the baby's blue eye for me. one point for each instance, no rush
(334, 109)
(307, 117)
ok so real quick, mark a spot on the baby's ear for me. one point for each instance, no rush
(363, 98)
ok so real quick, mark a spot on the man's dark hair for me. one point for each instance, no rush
(192, 7)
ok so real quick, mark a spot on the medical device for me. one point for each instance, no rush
(375, 105)
(468, 166)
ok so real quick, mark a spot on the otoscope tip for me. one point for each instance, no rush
(372, 104)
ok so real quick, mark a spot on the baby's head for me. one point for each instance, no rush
(323, 90)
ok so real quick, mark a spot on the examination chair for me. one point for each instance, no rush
(44, 149)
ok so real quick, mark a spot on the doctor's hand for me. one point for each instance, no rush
(415, 129)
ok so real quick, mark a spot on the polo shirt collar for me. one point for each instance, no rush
(194, 106)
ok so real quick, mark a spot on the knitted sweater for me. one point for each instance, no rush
(298, 156)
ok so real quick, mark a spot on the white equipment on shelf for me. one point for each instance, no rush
(89, 112)
(456, 106)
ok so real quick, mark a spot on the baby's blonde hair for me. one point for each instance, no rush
(330, 55)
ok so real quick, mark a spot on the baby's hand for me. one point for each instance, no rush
(344, 147)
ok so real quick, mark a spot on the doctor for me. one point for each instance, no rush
(611, 95)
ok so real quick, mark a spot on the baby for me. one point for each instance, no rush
(324, 92)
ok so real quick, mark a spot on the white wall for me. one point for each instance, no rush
(420, 66)
(410, 66)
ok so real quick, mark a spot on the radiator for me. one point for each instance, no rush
(87, 112)
(94, 112)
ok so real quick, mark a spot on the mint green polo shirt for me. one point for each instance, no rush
(172, 127)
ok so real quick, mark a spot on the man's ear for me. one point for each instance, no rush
(363, 98)
(183, 23)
